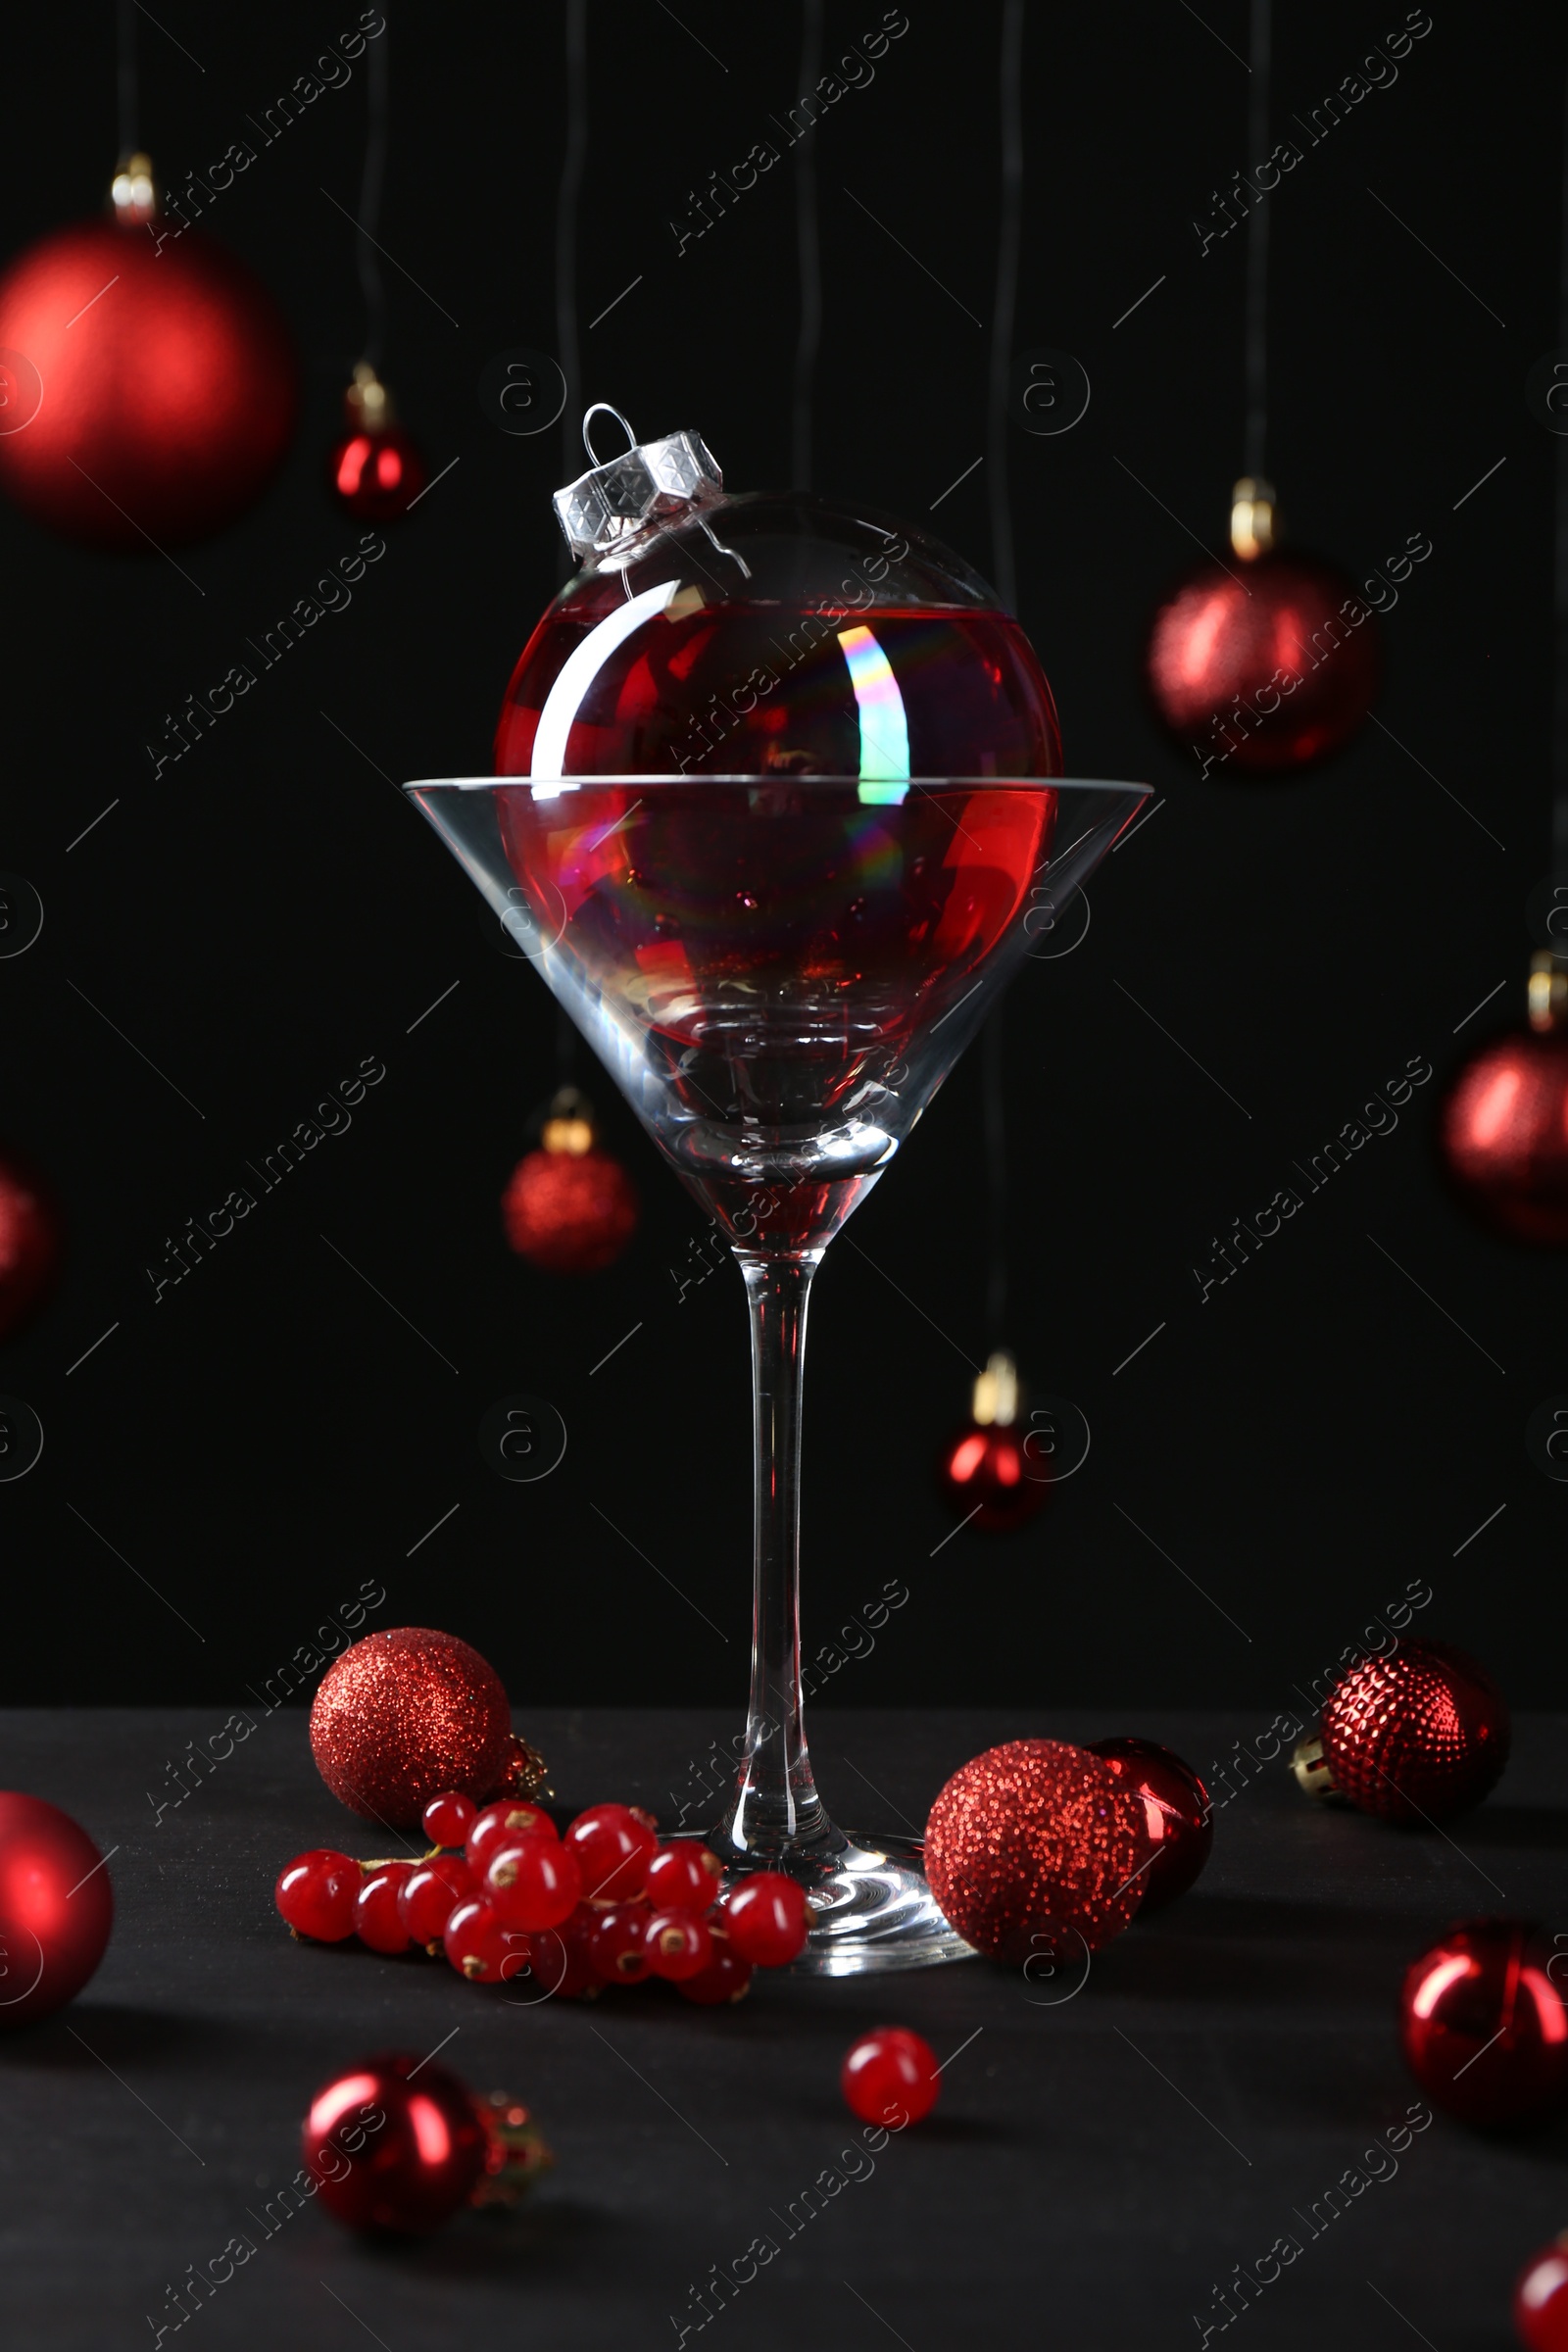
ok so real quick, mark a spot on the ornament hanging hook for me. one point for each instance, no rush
(603, 408)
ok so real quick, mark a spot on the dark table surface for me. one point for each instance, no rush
(1097, 2164)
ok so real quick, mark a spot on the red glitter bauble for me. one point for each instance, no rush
(405, 1716)
(1263, 667)
(1541, 2299)
(56, 1908)
(1504, 1135)
(30, 1243)
(988, 1475)
(1177, 1815)
(1416, 1736)
(397, 2144)
(160, 379)
(1034, 1840)
(379, 475)
(1482, 2026)
(570, 1213)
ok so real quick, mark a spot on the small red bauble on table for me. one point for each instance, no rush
(1483, 2026)
(891, 2076)
(570, 1207)
(987, 1471)
(1502, 1130)
(30, 1243)
(1541, 2299)
(405, 1716)
(376, 470)
(56, 1908)
(1178, 1816)
(397, 2144)
(1033, 1838)
(1412, 1738)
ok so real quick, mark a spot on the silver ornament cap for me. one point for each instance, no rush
(612, 512)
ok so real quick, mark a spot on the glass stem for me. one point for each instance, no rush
(776, 1808)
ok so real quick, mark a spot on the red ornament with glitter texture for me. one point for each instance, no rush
(1035, 1839)
(405, 1716)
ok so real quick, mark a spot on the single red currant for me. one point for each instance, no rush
(617, 1946)
(481, 1947)
(504, 1821)
(889, 2076)
(378, 1915)
(726, 1978)
(317, 1894)
(431, 1893)
(448, 1819)
(532, 1883)
(678, 1944)
(1541, 2299)
(768, 1919)
(614, 1846)
(684, 1876)
(561, 1963)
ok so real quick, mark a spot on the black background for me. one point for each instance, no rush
(267, 912)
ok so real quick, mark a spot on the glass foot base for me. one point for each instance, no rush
(874, 1910)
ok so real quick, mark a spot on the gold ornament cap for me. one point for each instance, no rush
(1548, 993)
(1255, 519)
(368, 404)
(995, 1393)
(1311, 1769)
(133, 191)
(569, 1123)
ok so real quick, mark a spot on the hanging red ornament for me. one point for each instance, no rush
(1502, 1129)
(570, 1207)
(376, 470)
(1482, 2025)
(1415, 1736)
(56, 1908)
(1266, 666)
(987, 1470)
(1034, 1840)
(158, 373)
(30, 1241)
(397, 2144)
(405, 1716)
(1541, 2299)
(1177, 1815)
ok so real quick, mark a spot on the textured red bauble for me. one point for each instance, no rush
(569, 1212)
(1504, 1135)
(1177, 1815)
(378, 476)
(405, 1716)
(1541, 2299)
(891, 2076)
(394, 2144)
(1416, 1736)
(30, 1243)
(1482, 2025)
(167, 384)
(1033, 1840)
(56, 1908)
(1258, 666)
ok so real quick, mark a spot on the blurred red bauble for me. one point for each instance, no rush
(570, 1207)
(1416, 1736)
(1504, 1135)
(1482, 2025)
(377, 469)
(1177, 1815)
(1033, 1840)
(405, 1716)
(1541, 2299)
(397, 2144)
(30, 1243)
(152, 380)
(56, 1908)
(988, 1472)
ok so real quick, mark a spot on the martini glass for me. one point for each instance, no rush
(778, 974)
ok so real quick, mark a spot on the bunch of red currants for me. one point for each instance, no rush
(504, 1892)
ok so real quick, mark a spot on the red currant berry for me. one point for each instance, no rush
(1540, 2300)
(532, 1883)
(889, 2076)
(562, 1962)
(678, 1944)
(768, 1919)
(431, 1893)
(617, 1946)
(684, 1876)
(377, 1915)
(614, 1846)
(726, 1978)
(501, 1822)
(317, 1894)
(481, 1947)
(448, 1819)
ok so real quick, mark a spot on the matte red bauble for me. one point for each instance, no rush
(30, 1243)
(1257, 666)
(405, 1716)
(377, 469)
(160, 378)
(1177, 1815)
(1541, 2299)
(56, 1908)
(1033, 1841)
(395, 2143)
(570, 1207)
(987, 1471)
(1482, 2026)
(1417, 1735)
(1504, 1135)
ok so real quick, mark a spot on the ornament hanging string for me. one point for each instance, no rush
(128, 95)
(568, 204)
(370, 185)
(1011, 98)
(1256, 349)
(996, 1147)
(810, 262)
(1559, 727)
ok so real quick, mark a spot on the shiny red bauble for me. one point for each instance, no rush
(891, 2076)
(165, 384)
(394, 2144)
(1541, 2299)
(1034, 1840)
(1177, 1815)
(768, 1919)
(989, 1477)
(30, 1243)
(569, 1212)
(378, 476)
(1504, 1135)
(318, 1892)
(405, 1716)
(1263, 667)
(1417, 1735)
(1482, 2026)
(56, 1908)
